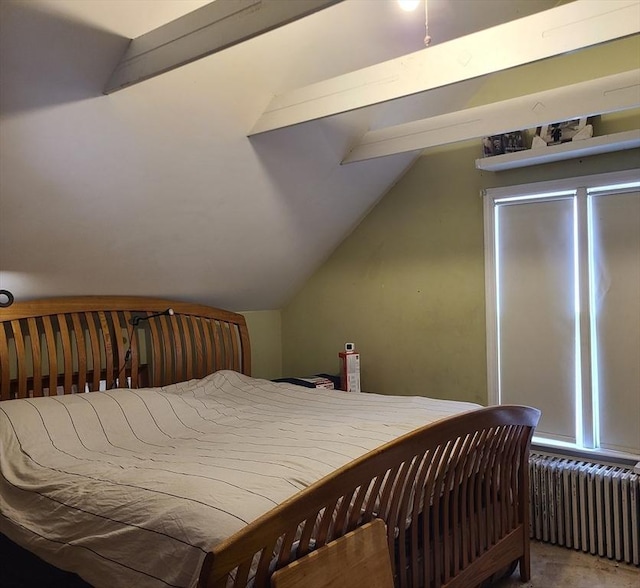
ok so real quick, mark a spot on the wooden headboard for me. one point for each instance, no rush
(88, 343)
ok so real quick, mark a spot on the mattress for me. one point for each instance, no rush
(134, 487)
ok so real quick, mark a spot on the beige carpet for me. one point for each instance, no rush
(553, 566)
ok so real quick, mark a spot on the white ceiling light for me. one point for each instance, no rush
(408, 5)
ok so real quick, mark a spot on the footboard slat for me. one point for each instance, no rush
(481, 493)
(420, 505)
(458, 508)
(392, 518)
(508, 480)
(405, 543)
(285, 550)
(356, 507)
(495, 520)
(439, 534)
(262, 572)
(242, 574)
(469, 531)
(435, 488)
(305, 538)
(426, 510)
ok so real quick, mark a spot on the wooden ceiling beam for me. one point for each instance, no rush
(204, 31)
(566, 28)
(612, 93)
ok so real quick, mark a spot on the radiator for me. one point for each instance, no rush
(590, 507)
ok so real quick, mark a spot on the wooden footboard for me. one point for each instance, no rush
(454, 496)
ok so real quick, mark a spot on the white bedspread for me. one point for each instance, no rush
(133, 487)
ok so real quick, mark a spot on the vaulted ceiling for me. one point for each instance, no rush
(156, 189)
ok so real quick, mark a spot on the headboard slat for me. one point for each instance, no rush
(36, 361)
(167, 355)
(218, 345)
(120, 371)
(212, 343)
(189, 339)
(5, 373)
(67, 354)
(108, 349)
(50, 342)
(96, 362)
(234, 347)
(205, 352)
(173, 332)
(155, 341)
(134, 361)
(228, 347)
(21, 357)
(245, 350)
(81, 352)
(85, 343)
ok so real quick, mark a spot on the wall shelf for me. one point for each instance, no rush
(592, 146)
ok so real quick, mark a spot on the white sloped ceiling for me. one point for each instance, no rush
(156, 189)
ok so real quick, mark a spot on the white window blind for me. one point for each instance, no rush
(537, 326)
(615, 221)
(562, 263)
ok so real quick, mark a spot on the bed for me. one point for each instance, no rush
(228, 478)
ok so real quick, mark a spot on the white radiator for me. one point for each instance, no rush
(586, 506)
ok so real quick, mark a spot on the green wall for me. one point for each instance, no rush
(407, 286)
(265, 334)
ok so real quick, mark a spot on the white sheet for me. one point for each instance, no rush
(133, 487)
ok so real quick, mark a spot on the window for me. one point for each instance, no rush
(562, 266)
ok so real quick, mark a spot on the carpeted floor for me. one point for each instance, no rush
(553, 566)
